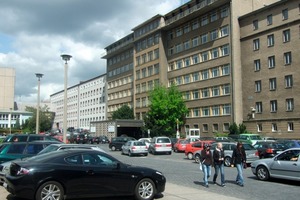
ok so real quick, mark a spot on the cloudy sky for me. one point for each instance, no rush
(34, 33)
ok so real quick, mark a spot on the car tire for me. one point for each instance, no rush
(262, 173)
(50, 187)
(190, 156)
(145, 154)
(129, 154)
(175, 150)
(113, 148)
(227, 161)
(145, 189)
(197, 158)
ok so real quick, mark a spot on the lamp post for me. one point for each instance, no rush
(177, 129)
(66, 58)
(10, 117)
(37, 130)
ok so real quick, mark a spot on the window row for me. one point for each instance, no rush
(119, 82)
(197, 23)
(208, 111)
(202, 39)
(121, 94)
(91, 83)
(147, 57)
(120, 70)
(92, 111)
(269, 19)
(146, 43)
(273, 106)
(286, 37)
(287, 58)
(288, 83)
(201, 57)
(142, 102)
(202, 75)
(92, 93)
(146, 86)
(215, 127)
(274, 128)
(113, 108)
(147, 71)
(119, 58)
(6, 116)
(207, 92)
(92, 102)
(147, 28)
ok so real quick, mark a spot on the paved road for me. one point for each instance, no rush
(183, 174)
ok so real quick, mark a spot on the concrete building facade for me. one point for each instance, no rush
(7, 88)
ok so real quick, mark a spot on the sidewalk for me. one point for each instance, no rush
(176, 192)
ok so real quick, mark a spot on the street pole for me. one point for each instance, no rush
(66, 58)
(10, 117)
(37, 130)
(177, 129)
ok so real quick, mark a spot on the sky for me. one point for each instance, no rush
(34, 33)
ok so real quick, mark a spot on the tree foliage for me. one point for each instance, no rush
(167, 106)
(45, 119)
(237, 129)
(125, 112)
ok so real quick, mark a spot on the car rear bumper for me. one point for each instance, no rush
(16, 187)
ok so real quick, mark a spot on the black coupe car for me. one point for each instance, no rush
(81, 173)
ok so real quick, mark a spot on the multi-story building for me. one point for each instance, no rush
(86, 102)
(270, 48)
(197, 47)
(7, 88)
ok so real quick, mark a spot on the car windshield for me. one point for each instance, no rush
(255, 137)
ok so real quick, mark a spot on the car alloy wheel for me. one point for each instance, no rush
(227, 161)
(145, 189)
(197, 158)
(262, 173)
(50, 190)
(113, 148)
(190, 156)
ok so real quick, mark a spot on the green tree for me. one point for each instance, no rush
(167, 105)
(237, 129)
(125, 112)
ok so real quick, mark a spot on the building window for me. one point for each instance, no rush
(195, 59)
(205, 111)
(187, 79)
(205, 92)
(272, 83)
(138, 75)
(288, 81)
(156, 54)
(269, 19)
(216, 110)
(225, 69)
(215, 72)
(178, 48)
(270, 39)
(196, 76)
(259, 127)
(213, 16)
(150, 71)
(256, 44)
(286, 35)
(195, 24)
(257, 65)
(289, 104)
(179, 64)
(187, 62)
(224, 31)
(204, 20)
(290, 126)
(186, 29)
(226, 89)
(186, 45)
(215, 53)
(156, 68)
(187, 96)
(255, 24)
(205, 74)
(196, 112)
(257, 86)
(271, 61)
(144, 87)
(225, 50)
(224, 12)
(204, 38)
(178, 80)
(274, 127)
(195, 41)
(226, 127)
(144, 74)
(258, 107)
(205, 127)
(216, 91)
(285, 14)
(178, 32)
(273, 106)
(213, 34)
(204, 56)
(196, 94)
(215, 127)
(226, 109)
(287, 58)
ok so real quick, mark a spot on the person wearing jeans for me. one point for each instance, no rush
(218, 156)
(238, 159)
(207, 161)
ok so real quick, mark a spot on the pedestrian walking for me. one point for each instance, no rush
(218, 157)
(239, 161)
(207, 161)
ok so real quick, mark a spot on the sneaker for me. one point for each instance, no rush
(223, 185)
(206, 186)
(242, 185)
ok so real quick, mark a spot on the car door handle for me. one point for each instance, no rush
(90, 172)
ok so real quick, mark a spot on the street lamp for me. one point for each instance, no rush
(10, 117)
(177, 129)
(37, 130)
(66, 58)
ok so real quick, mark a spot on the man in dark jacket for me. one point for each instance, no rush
(207, 161)
(238, 160)
(218, 156)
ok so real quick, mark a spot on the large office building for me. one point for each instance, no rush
(202, 48)
(86, 102)
(270, 51)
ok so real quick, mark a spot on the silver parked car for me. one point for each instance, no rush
(251, 152)
(160, 144)
(134, 147)
(285, 165)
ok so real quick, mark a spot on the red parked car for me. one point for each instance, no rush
(192, 147)
(180, 145)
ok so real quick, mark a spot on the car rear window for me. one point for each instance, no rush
(139, 143)
(163, 140)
